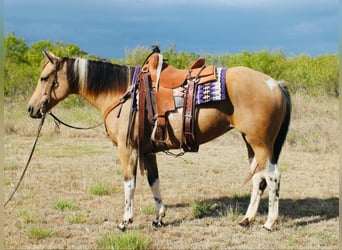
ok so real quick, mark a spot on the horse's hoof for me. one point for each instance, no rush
(244, 222)
(157, 224)
(267, 228)
(122, 226)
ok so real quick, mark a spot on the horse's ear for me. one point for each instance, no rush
(50, 56)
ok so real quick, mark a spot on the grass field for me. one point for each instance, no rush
(72, 196)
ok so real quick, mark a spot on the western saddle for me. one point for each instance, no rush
(157, 81)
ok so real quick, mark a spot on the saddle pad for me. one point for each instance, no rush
(212, 91)
(135, 87)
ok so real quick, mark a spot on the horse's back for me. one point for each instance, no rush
(242, 82)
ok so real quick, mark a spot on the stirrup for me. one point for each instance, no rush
(158, 130)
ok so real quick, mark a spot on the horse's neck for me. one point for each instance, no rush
(102, 101)
(109, 85)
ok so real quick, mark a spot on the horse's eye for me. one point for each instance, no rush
(44, 79)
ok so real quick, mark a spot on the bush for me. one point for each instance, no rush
(313, 76)
(23, 62)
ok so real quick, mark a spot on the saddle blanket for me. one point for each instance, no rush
(212, 91)
(207, 92)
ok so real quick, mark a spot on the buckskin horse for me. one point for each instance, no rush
(257, 106)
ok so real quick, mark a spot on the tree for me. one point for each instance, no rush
(15, 49)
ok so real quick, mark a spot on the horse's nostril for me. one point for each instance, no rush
(30, 109)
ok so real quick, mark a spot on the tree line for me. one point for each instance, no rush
(312, 75)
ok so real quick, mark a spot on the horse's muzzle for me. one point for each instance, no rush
(38, 113)
(34, 114)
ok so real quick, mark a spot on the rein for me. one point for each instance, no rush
(48, 96)
(28, 160)
(59, 121)
(43, 111)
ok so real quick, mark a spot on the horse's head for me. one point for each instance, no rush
(52, 86)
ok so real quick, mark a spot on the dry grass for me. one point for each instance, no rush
(68, 163)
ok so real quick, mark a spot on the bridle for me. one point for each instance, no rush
(47, 99)
(48, 91)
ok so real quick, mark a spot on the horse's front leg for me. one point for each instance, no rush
(128, 158)
(153, 180)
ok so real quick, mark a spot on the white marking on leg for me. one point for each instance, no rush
(257, 177)
(272, 175)
(254, 165)
(158, 199)
(255, 196)
(129, 186)
(271, 83)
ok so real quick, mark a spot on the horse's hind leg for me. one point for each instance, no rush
(258, 158)
(259, 185)
(153, 180)
(272, 175)
(264, 174)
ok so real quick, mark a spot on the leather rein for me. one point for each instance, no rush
(43, 111)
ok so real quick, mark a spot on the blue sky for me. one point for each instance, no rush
(107, 27)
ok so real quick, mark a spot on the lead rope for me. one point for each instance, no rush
(59, 121)
(28, 160)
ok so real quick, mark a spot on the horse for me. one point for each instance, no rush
(258, 106)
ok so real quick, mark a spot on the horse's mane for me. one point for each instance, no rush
(96, 77)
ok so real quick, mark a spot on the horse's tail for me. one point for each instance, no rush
(284, 126)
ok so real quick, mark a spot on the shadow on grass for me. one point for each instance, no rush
(314, 210)
(309, 210)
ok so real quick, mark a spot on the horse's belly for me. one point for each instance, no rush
(210, 123)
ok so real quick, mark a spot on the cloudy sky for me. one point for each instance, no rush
(107, 27)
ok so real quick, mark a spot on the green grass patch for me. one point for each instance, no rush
(7, 181)
(148, 210)
(217, 171)
(11, 166)
(75, 219)
(241, 197)
(27, 195)
(39, 233)
(63, 205)
(100, 189)
(232, 211)
(202, 209)
(118, 162)
(118, 171)
(26, 216)
(130, 240)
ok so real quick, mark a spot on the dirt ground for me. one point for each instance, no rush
(67, 164)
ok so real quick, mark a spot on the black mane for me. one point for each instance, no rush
(100, 76)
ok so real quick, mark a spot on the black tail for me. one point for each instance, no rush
(284, 126)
